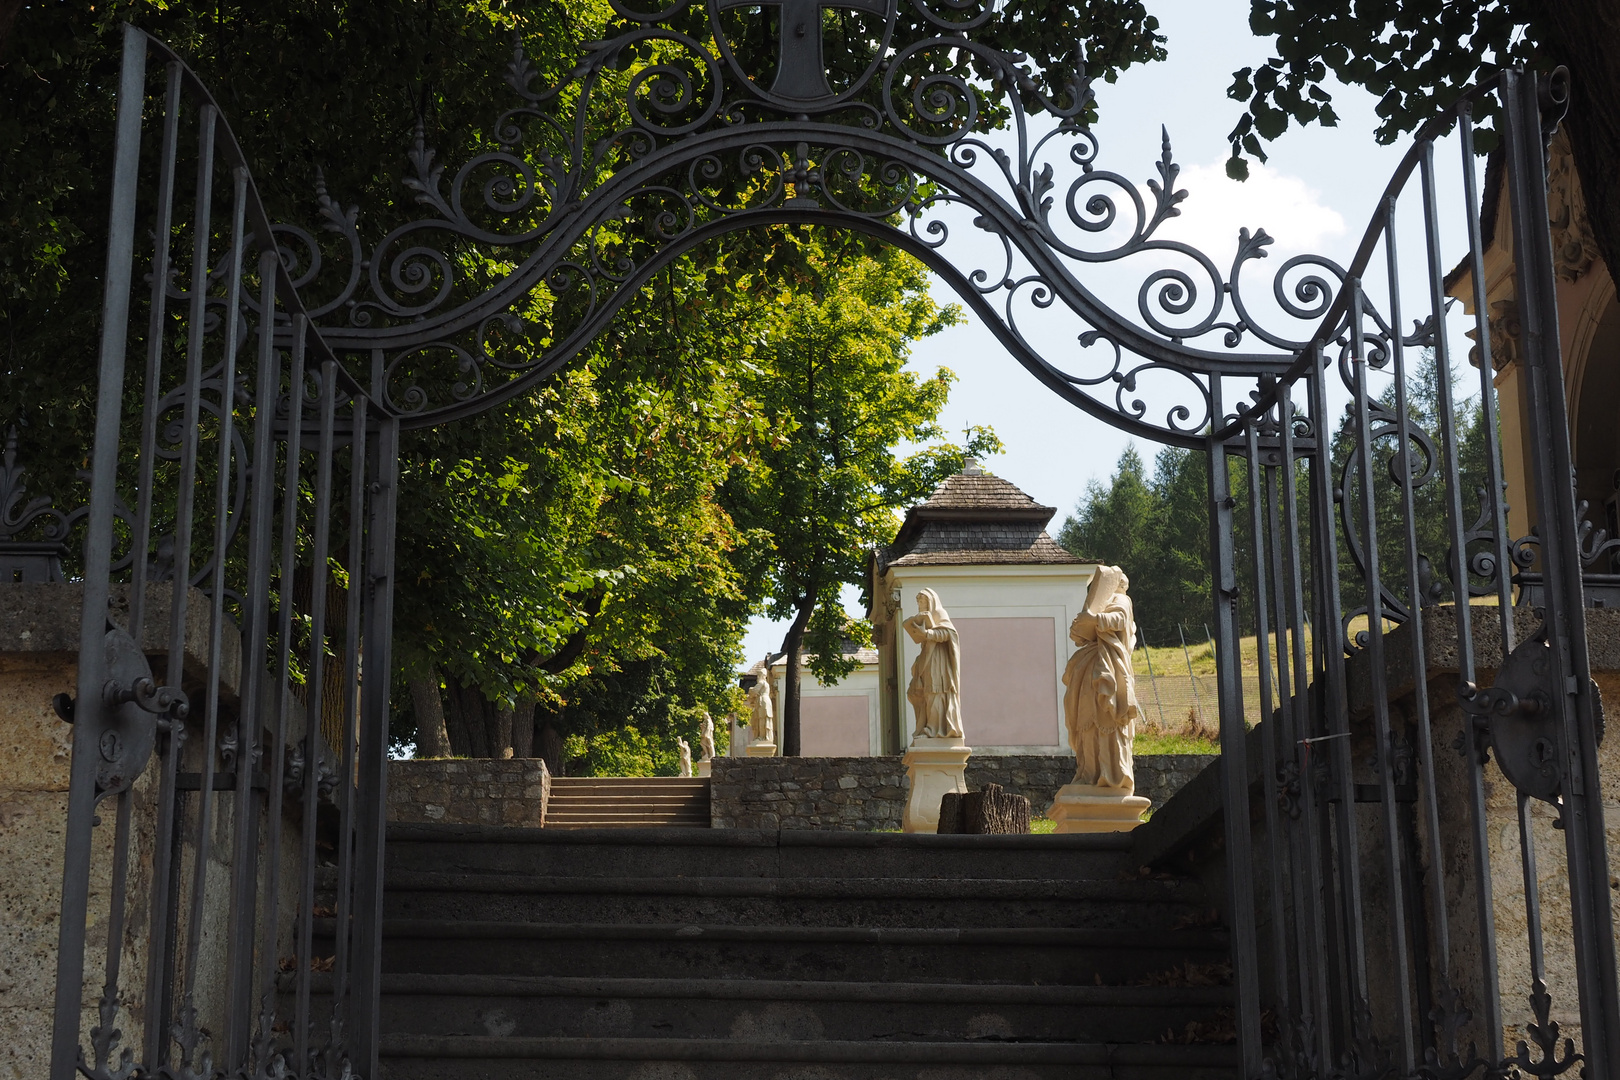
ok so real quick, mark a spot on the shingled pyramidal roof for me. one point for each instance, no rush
(974, 519)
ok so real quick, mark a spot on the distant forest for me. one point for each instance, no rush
(1156, 524)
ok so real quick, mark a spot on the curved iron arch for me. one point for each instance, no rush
(690, 165)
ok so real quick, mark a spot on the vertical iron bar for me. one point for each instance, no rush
(206, 799)
(140, 543)
(1269, 721)
(98, 561)
(1586, 842)
(1490, 989)
(1384, 754)
(275, 784)
(250, 718)
(159, 975)
(1440, 955)
(371, 818)
(1532, 893)
(1234, 751)
(1296, 726)
(1335, 703)
(314, 711)
(357, 567)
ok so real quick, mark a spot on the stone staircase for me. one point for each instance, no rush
(665, 954)
(607, 802)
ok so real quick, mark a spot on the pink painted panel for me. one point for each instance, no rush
(1009, 676)
(835, 726)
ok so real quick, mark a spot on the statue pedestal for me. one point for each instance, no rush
(935, 768)
(1085, 808)
(704, 768)
(761, 748)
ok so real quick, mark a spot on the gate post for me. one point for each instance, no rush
(88, 707)
(1572, 701)
(1234, 763)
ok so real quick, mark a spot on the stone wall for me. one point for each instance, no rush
(869, 793)
(469, 791)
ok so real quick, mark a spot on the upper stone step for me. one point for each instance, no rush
(754, 853)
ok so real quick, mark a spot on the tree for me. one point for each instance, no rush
(830, 379)
(1157, 529)
(1419, 55)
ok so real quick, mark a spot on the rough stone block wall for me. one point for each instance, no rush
(869, 793)
(469, 791)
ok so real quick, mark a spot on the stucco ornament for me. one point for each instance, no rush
(686, 756)
(935, 692)
(1099, 697)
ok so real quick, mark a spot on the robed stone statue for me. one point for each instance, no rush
(935, 692)
(1099, 697)
(761, 720)
(706, 739)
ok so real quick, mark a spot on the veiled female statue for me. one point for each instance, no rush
(935, 692)
(1099, 699)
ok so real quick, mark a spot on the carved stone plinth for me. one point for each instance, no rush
(935, 767)
(761, 748)
(704, 767)
(1084, 808)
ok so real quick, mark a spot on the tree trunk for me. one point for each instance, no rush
(432, 738)
(467, 713)
(500, 733)
(551, 751)
(523, 728)
(791, 741)
(455, 723)
(1584, 35)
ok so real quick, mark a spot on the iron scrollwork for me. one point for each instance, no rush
(660, 139)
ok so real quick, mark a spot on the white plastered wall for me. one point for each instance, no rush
(1017, 591)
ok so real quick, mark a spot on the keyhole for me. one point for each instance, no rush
(799, 30)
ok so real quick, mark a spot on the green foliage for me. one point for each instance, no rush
(1417, 56)
(829, 375)
(1157, 529)
(1430, 525)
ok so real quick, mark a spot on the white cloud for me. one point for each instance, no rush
(1288, 209)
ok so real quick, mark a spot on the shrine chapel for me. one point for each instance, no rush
(1011, 590)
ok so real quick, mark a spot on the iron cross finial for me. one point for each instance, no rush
(801, 67)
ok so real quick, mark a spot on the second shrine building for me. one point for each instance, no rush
(981, 544)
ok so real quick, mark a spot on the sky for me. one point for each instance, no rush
(1317, 193)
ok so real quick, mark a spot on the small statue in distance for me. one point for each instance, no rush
(686, 757)
(761, 718)
(706, 739)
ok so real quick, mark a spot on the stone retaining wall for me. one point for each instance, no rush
(469, 791)
(869, 793)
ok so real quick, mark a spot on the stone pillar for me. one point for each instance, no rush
(935, 768)
(1452, 854)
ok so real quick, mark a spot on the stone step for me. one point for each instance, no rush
(633, 852)
(843, 901)
(429, 1057)
(976, 955)
(530, 1006)
(630, 823)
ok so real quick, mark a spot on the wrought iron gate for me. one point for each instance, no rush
(240, 524)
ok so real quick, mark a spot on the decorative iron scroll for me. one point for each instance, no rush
(662, 138)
